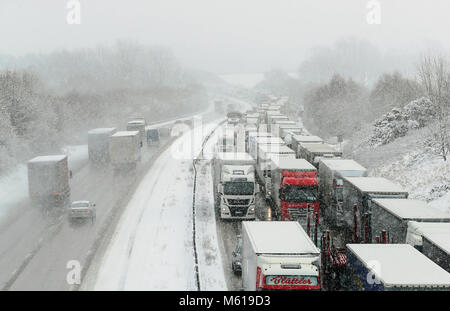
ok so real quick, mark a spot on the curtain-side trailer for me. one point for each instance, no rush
(392, 267)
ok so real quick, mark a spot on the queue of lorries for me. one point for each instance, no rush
(331, 227)
(48, 176)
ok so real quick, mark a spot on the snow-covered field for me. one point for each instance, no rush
(152, 247)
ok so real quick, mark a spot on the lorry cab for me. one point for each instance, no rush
(237, 190)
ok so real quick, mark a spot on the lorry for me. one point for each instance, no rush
(48, 181)
(234, 117)
(331, 174)
(313, 152)
(288, 128)
(226, 141)
(124, 148)
(278, 255)
(271, 140)
(265, 155)
(138, 125)
(98, 145)
(294, 193)
(251, 142)
(358, 193)
(390, 217)
(275, 126)
(392, 267)
(296, 140)
(234, 173)
(432, 239)
(153, 137)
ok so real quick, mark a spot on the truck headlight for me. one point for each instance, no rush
(224, 209)
(252, 209)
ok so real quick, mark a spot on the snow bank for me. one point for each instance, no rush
(152, 247)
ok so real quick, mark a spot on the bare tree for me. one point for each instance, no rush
(435, 77)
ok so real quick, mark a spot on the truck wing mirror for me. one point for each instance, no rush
(257, 189)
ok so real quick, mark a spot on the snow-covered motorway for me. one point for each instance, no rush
(35, 249)
(152, 246)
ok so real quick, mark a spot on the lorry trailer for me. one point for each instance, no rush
(48, 181)
(390, 217)
(358, 195)
(331, 174)
(296, 140)
(98, 145)
(278, 255)
(138, 125)
(313, 152)
(125, 150)
(265, 155)
(392, 267)
(432, 239)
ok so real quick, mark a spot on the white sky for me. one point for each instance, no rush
(223, 35)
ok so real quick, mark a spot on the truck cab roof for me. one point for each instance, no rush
(375, 185)
(412, 209)
(400, 265)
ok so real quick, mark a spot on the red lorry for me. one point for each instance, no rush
(294, 192)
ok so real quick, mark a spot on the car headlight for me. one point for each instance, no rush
(237, 263)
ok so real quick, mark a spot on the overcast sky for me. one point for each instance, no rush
(223, 35)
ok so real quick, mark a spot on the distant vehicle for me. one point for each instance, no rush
(236, 261)
(98, 144)
(152, 137)
(48, 181)
(189, 122)
(125, 150)
(137, 125)
(234, 117)
(82, 210)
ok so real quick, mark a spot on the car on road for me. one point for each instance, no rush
(80, 210)
(236, 261)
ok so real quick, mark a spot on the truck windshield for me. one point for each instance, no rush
(238, 188)
(300, 194)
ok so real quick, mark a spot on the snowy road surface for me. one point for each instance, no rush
(152, 247)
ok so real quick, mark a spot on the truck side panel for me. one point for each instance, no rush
(436, 254)
(249, 262)
(357, 276)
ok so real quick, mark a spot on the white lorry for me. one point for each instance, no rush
(48, 181)
(266, 153)
(278, 255)
(234, 173)
(432, 239)
(296, 140)
(271, 140)
(124, 150)
(98, 145)
(138, 125)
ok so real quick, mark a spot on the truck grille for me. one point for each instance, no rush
(238, 201)
(296, 213)
(238, 211)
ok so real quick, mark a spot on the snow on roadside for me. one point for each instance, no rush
(151, 248)
(210, 261)
(425, 176)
